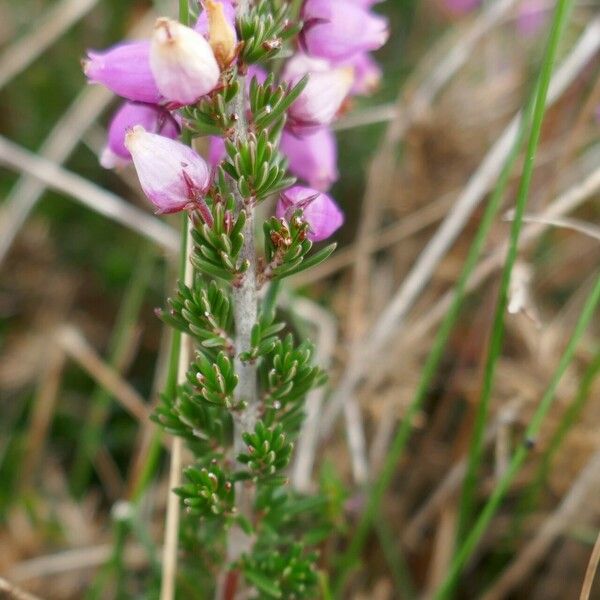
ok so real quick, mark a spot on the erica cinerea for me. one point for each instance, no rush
(262, 81)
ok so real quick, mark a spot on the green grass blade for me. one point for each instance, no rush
(467, 502)
(489, 510)
(402, 436)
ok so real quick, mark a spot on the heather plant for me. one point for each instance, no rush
(262, 82)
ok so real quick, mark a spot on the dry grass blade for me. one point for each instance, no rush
(169, 567)
(414, 529)
(103, 202)
(75, 345)
(44, 32)
(393, 316)
(62, 140)
(379, 182)
(565, 203)
(388, 236)
(60, 143)
(326, 327)
(10, 592)
(582, 497)
(42, 412)
(73, 560)
(566, 223)
(590, 572)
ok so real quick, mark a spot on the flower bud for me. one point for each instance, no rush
(125, 70)
(337, 29)
(182, 62)
(312, 157)
(320, 211)
(151, 117)
(171, 174)
(321, 99)
(221, 33)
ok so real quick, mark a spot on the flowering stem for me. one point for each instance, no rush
(245, 308)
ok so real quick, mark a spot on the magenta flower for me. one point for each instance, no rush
(182, 62)
(125, 70)
(323, 96)
(171, 174)
(337, 29)
(319, 210)
(216, 150)
(312, 157)
(151, 117)
(531, 17)
(367, 74)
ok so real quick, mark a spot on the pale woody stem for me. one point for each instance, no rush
(245, 313)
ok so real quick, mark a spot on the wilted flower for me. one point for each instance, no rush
(337, 29)
(125, 70)
(182, 62)
(202, 24)
(221, 30)
(171, 174)
(151, 117)
(322, 98)
(312, 157)
(319, 210)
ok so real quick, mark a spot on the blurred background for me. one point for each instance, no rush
(82, 355)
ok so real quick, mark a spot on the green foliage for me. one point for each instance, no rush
(207, 429)
(204, 408)
(257, 166)
(269, 102)
(287, 247)
(203, 312)
(287, 375)
(264, 337)
(264, 30)
(282, 573)
(212, 114)
(218, 244)
(213, 381)
(269, 451)
(209, 492)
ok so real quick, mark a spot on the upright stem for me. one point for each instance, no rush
(244, 295)
(245, 302)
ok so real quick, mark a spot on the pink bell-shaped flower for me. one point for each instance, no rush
(319, 210)
(216, 150)
(531, 17)
(367, 74)
(171, 174)
(151, 117)
(125, 70)
(312, 157)
(182, 62)
(323, 96)
(337, 29)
